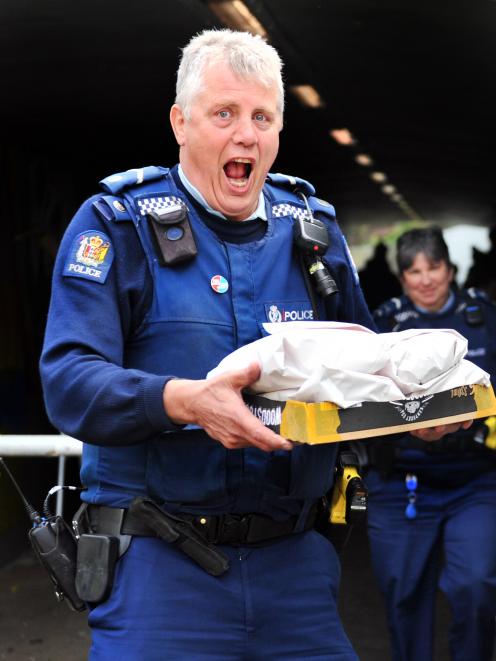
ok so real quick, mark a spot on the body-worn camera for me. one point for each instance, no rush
(172, 235)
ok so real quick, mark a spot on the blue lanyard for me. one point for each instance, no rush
(411, 484)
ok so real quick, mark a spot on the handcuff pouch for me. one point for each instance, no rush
(97, 556)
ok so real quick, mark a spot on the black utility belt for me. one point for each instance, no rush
(104, 534)
(230, 529)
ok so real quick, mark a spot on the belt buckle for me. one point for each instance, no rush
(235, 529)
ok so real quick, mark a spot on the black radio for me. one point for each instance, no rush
(54, 544)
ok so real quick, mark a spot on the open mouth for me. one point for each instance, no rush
(238, 171)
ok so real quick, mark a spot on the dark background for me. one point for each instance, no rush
(88, 85)
(86, 90)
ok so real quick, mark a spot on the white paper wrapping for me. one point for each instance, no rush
(348, 364)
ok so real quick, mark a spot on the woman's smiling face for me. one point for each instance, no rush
(427, 283)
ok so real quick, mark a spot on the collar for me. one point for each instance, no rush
(259, 212)
(442, 310)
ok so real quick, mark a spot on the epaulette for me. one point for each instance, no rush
(322, 205)
(388, 308)
(292, 183)
(296, 186)
(116, 183)
(478, 294)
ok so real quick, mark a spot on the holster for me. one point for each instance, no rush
(182, 534)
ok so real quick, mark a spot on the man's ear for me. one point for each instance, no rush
(178, 121)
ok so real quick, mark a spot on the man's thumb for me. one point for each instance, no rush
(246, 376)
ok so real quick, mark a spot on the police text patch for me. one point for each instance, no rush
(90, 256)
(281, 312)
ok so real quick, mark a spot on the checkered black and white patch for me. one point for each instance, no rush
(285, 209)
(148, 204)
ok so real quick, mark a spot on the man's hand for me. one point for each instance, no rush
(217, 406)
(430, 434)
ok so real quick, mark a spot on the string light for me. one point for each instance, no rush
(364, 159)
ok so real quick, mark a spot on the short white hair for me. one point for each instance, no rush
(249, 56)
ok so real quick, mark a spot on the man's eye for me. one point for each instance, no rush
(224, 114)
(260, 117)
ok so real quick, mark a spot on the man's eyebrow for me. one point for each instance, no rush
(224, 101)
(235, 104)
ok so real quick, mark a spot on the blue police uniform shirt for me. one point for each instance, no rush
(121, 324)
(456, 457)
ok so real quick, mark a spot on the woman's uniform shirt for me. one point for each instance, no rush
(456, 457)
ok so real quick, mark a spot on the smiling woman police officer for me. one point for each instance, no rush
(436, 526)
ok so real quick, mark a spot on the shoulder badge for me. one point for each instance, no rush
(90, 257)
(322, 206)
(112, 208)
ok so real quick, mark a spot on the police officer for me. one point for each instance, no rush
(159, 277)
(432, 506)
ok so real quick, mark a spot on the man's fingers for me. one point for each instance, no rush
(267, 440)
(228, 419)
(217, 406)
(244, 429)
(265, 443)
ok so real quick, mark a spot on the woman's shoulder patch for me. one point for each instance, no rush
(90, 257)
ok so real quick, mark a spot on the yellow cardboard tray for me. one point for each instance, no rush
(324, 422)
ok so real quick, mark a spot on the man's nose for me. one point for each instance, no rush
(245, 132)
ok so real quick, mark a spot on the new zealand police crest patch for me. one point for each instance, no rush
(90, 256)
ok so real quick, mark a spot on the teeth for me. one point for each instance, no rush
(242, 160)
(238, 182)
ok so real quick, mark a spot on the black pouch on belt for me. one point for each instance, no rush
(96, 559)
